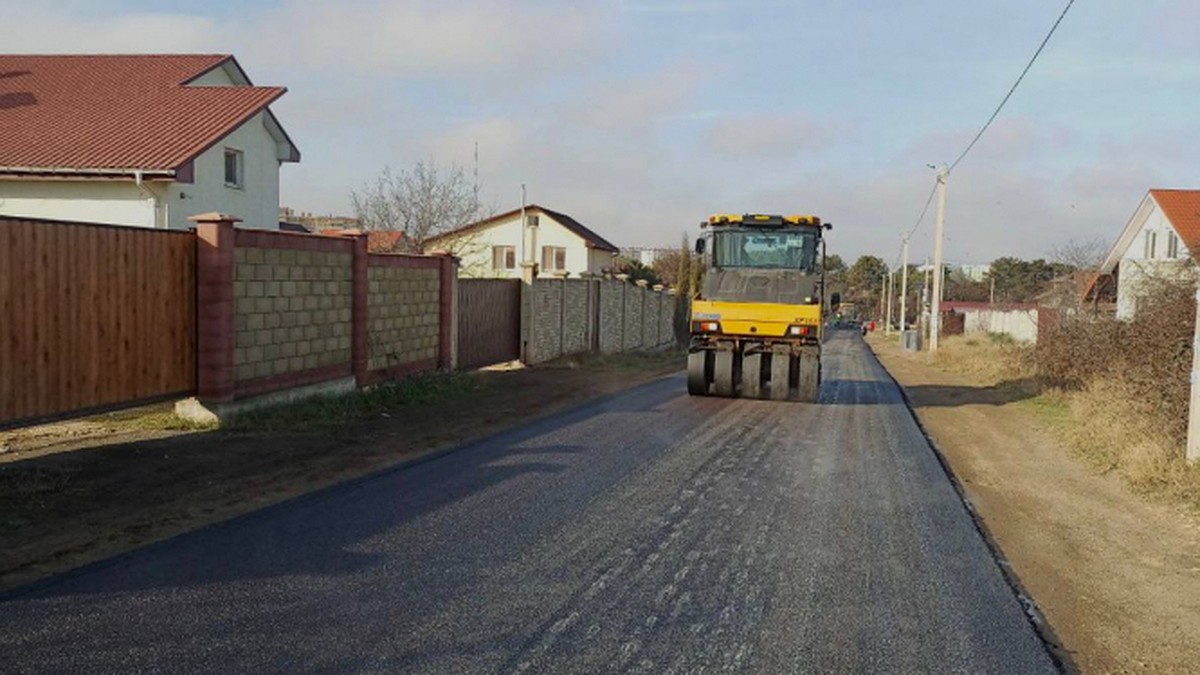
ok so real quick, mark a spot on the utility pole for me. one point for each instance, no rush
(883, 293)
(887, 322)
(992, 293)
(935, 312)
(524, 250)
(904, 287)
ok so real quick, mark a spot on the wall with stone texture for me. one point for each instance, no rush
(573, 316)
(612, 317)
(403, 315)
(292, 310)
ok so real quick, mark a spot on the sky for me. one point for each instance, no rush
(642, 117)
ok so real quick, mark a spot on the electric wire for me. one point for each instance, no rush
(1015, 85)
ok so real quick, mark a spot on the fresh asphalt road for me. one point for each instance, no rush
(649, 532)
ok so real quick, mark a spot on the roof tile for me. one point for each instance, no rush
(1182, 208)
(116, 111)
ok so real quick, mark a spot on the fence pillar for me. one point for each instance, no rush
(360, 346)
(447, 316)
(215, 329)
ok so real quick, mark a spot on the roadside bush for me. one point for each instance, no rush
(1149, 358)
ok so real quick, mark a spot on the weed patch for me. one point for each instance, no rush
(330, 411)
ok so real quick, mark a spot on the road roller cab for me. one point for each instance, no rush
(757, 323)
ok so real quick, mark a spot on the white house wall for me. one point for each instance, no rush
(256, 203)
(599, 260)
(109, 202)
(1136, 269)
(551, 233)
(475, 250)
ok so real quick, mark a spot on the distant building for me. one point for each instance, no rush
(644, 255)
(314, 223)
(975, 271)
(555, 242)
(972, 271)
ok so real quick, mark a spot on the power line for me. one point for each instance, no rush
(1015, 84)
(924, 210)
(920, 219)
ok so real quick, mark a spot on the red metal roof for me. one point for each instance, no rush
(1182, 208)
(116, 111)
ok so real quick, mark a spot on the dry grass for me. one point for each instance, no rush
(989, 360)
(1116, 432)
(1106, 421)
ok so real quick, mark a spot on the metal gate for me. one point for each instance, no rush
(489, 321)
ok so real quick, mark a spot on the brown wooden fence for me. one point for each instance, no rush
(93, 317)
(489, 321)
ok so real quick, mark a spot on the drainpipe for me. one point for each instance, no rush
(137, 178)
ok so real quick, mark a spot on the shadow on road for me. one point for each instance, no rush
(336, 532)
(875, 392)
(944, 396)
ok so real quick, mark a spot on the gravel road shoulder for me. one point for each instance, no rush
(1117, 578)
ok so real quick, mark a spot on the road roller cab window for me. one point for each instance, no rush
(765, 250)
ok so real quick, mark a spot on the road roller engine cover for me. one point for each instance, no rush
(756, 325)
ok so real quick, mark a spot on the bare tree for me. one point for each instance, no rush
(421, 203)
(1082, 254)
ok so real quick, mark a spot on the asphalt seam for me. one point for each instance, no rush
(1041, 627)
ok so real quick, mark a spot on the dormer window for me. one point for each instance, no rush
(234, 168)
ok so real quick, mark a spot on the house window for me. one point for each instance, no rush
(1172, 245)
(554, 258)
(504, 257)
(1151, 244)
(234, 168)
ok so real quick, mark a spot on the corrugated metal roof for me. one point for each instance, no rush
(81, 112)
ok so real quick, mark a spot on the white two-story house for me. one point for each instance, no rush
(498, 247)
(138, 140)
(1161, 239)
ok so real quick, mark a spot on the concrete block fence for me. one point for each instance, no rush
(571, 316)
(283, 315)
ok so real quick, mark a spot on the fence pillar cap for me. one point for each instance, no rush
(214, 217)
(643, 283)
(658, 287)
(623, 277)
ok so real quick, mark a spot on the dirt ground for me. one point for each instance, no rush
(1116, 577)
(77, 492)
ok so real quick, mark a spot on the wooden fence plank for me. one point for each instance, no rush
(93, 316)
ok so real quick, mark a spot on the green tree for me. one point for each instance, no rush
(862, 283)
(1019, 280)
(835, 267)
(636, 270)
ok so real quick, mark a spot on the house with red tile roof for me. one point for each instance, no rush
(1161, 240)
(138, 140)
(498, 247)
